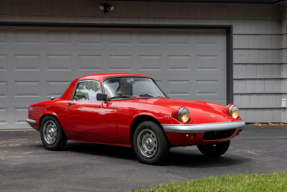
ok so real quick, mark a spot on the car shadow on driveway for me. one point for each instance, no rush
(101, 150)
(179, 156)
(192, 158)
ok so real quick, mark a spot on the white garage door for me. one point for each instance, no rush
(39, 62)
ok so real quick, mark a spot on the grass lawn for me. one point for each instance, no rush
(235, 182)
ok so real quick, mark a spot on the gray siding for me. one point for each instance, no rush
(259, 41)
(284, 58)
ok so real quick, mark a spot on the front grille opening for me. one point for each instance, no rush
(213, 135)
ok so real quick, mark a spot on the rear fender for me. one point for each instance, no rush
(64, 124)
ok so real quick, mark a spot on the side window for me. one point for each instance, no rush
(87, 91)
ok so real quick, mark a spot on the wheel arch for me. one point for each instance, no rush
(48, 114)
(141, 118)
(51, 114)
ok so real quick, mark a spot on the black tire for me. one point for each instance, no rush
(52, 134)
(214, 150)
(155, 149)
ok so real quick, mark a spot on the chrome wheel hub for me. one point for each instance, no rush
(50, 132)
(147, 143)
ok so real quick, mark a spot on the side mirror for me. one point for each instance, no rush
(102, 97)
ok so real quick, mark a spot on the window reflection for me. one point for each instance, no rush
(87, 91)
(132, 86)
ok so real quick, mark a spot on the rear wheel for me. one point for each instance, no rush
(214, 150)
(52, 134)
(150, 143)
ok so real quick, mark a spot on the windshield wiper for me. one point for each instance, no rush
(122, 96)
(148, 95)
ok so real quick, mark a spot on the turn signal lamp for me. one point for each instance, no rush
(238, 132)
(190, 136)
(30, 110)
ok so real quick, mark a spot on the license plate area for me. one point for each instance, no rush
(214, 135)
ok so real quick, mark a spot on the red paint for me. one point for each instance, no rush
(180, 139)
(110, 123)
(91, 117)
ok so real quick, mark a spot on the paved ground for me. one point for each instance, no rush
(26, 166)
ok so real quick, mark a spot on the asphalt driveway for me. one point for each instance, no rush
(26, 166)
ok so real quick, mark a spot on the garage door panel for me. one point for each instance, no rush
(27, 89)
(89, 37)
(3, 116)
(120, 62)
(210, 62)
(22, 60)
(179, 88)
(12, 115)
(55, 88)
(59, 36)
(90, 62)
(179, 62)
(150, 62)
(210, 39)
(20, 115)
(27, 36)
(39, 62)
(3, 62)
(59, 62)
(22, 91)
(3, 89)
(210, 87)
(148, 37)
(120, 37)
(179, 38)
(207, 62)
(24, 38)
(27, 62)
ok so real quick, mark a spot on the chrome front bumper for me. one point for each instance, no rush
(202, 128)
(30, 121)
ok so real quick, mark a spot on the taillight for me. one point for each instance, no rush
(30, 110)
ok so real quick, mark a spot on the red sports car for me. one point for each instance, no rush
(130, 110)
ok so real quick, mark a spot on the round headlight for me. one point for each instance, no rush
(233, 111)
(183, 115)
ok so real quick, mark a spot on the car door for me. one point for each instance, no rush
(86, 114)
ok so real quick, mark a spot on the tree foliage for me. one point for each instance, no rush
(84, 89)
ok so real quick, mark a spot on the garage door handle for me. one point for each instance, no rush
(70, 103)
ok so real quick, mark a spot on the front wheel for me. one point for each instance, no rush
(150, 144)
(52, 134)
(214, 150)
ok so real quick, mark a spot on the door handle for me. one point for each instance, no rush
(70, 103)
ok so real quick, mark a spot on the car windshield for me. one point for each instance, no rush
(131, 87)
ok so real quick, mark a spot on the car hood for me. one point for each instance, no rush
(178, 103)
(203, 112)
